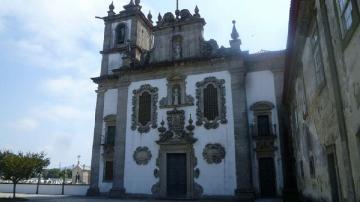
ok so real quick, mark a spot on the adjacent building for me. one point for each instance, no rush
(322, 98)
(177, 116)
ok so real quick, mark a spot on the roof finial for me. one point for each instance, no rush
(111, 9)
(137, 2)
(78, 157)
(235, 43)
(111, 6)
(159, 18)
(234, 33)
(197, 11)
(149, 16)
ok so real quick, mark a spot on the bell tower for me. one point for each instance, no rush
(127, 36)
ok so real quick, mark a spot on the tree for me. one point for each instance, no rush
(2, 155)
(17, 167)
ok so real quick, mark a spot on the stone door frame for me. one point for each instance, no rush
(190, 164)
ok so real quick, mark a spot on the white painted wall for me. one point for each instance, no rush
(115, 61)
(74, 190)
(260, 86)
(140, 179)
(219, 179)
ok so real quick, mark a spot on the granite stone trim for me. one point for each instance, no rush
(214, 153)
(95, 160)
(142, 155)
(221, 118)
(118, 189)
(159, 189)
(176, 80)
(243, 150)
(135, 124)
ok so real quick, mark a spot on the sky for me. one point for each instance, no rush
(49, 50)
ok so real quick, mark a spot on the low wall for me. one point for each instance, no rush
(46, 189)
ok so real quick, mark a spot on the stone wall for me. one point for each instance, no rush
(325, 118)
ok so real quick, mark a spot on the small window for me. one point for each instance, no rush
(110, 135)
(318, 62)
(302, 169)
(263, 125)
(348, 16)
(211, 107)
(144, 108)
(120, 34)
(312, 166)
(108, 175)
(345, 9)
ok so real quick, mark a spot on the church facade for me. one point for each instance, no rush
(180, 117)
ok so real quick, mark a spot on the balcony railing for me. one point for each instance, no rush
(257, 131)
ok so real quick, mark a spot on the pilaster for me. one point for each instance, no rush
(244, 189)
(95, 160)
(118, 189)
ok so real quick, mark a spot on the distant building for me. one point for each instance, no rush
(80, 174)
(322, 98)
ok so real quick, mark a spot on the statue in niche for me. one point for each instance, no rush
(176, 97)
(177, 49)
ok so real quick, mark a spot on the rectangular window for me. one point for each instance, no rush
(263, 125)
(302, 169)
(318, 62)
(108, 175)
(110, 135)
(348, 17)
(345, 12)
(312, 166)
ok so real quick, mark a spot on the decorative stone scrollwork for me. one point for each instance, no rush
(142, 155)
(176, 120)
(218, 84)
(155, 189)
(198, 190)
(196, 173)
(176, 93)
(176, 134)
(209, 48)
(214, 153)
(156, 173)
(153, 91)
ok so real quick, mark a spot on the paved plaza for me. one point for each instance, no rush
(56, 198)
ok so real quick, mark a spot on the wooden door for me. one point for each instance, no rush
(334, 183)
(176, 175)
(267, 177)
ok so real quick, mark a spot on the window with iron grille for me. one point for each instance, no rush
(110, 135)
(144, 108)
(120, 34)
(263, 125)
(211, 105)
(108, 175)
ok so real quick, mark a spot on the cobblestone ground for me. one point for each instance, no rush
(47, 198)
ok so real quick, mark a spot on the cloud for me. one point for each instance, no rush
(24, 124)
(69, 87)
